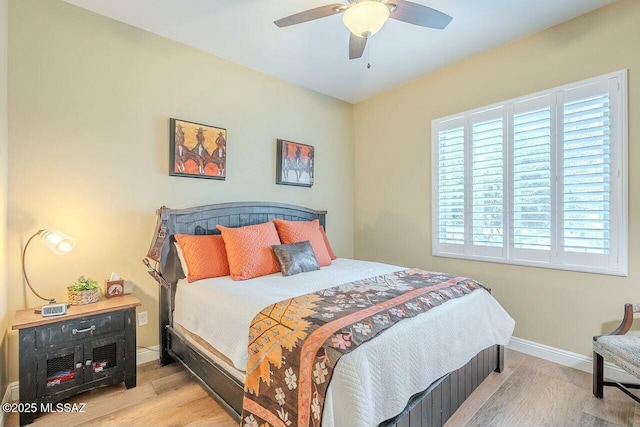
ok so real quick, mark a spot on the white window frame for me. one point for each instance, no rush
(619, 185)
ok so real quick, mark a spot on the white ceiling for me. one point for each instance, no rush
(315, 54)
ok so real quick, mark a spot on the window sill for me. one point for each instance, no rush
(572, 268)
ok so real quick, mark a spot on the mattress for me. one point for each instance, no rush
(375, 381)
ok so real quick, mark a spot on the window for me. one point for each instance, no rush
(539, 180)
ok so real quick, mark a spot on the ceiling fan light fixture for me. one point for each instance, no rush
(366, 18)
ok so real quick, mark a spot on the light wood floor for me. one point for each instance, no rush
(530, 392)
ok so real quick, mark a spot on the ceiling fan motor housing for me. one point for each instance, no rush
(366, 18)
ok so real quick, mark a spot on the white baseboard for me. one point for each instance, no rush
(5, 399)
(568, 358)
(13, 389)
(149, 354)
(7, 394)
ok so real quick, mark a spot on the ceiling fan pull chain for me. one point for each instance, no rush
(368, 56)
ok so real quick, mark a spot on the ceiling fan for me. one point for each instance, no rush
(364, 18)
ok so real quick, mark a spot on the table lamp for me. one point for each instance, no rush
(60, 244)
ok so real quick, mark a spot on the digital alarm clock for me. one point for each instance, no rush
(53, 310)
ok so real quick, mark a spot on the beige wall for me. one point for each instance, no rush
(89, 106)
(89, 102)
(4, 34)
(393, 176)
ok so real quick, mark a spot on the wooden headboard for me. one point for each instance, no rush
(203, 220)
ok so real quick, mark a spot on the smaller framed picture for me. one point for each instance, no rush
(114, 288)
(294, 163)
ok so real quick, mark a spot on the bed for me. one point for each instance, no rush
(441, 380)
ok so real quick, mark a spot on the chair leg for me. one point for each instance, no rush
(500, 359)
(598, 375)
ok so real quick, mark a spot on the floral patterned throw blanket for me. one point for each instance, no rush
(295, 344)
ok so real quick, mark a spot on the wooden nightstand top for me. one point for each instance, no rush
(28, 318)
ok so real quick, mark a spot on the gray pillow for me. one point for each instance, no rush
(296, 258)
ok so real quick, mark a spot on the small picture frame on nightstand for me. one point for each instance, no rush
(114, 288)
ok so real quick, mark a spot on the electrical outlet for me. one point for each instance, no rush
(142, 318)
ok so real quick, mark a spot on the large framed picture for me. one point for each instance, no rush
(197, 150)
(294, 164)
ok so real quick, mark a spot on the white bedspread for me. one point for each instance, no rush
(374, 382)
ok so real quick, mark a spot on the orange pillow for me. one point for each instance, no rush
(299, 231)
(326, 242)
(249, 250)
(205, 256)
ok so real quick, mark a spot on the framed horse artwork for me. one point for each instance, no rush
(197, 150)
(294, 163)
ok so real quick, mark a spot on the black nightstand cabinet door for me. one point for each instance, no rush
(104, 357)
(59, 370)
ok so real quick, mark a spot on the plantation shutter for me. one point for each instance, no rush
(450, 187)
(586, 190)
(539, 181)
(532, 200)
(486, 158)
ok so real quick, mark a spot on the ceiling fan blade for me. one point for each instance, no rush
(311, 14)
(356, 46)
(417, 14)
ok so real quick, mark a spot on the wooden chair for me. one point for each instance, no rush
(623, 350)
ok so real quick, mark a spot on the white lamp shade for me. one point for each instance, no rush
(366, 18)
(58, 242)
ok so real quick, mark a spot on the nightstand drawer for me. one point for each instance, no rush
(78, 329)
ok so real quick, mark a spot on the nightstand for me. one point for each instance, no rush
(90, 346)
